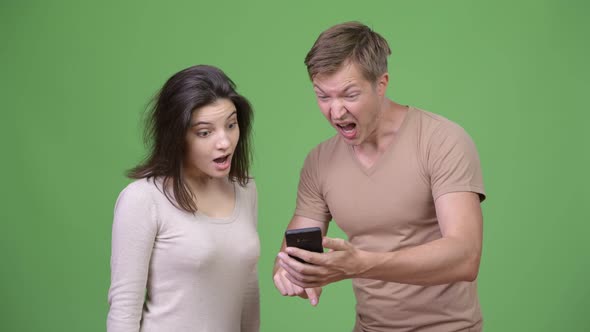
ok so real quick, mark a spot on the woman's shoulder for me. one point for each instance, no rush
(248, 187)
(145, 185)
(140, 190)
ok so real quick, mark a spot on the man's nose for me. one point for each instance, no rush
(337, 109)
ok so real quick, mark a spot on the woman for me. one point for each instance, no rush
(185, 246)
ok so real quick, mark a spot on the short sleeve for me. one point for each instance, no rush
(310, 199)
(453, 162)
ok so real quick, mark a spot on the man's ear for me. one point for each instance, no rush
(382, 82)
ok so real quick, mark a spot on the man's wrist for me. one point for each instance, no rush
(368, 263)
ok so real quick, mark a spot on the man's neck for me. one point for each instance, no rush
(387, 126)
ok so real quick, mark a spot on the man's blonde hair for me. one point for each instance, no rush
(351, 42)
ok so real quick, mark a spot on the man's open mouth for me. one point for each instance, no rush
(347, 127)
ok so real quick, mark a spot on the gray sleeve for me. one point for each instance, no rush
(251, 305)
(134, 232)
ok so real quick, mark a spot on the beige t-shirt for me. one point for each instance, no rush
(390, 206)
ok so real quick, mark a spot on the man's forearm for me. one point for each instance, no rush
(442, 261)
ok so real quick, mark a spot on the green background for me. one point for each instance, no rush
(76, 77)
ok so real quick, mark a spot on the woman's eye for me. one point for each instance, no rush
(232, 125)
(203, 133)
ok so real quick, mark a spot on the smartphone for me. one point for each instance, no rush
(309, 239)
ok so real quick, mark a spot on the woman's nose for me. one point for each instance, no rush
(223, 141)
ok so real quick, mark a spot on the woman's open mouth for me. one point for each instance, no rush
(222, 163)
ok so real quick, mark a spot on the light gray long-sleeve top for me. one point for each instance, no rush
(176, 271)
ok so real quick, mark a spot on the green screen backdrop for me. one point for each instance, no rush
(76, 77)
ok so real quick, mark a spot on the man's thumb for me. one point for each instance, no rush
(334, 244)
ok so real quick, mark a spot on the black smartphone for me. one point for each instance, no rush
(309, 239)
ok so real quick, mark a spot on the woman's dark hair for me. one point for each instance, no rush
(169, 120)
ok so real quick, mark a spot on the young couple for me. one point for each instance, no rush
(404, 184)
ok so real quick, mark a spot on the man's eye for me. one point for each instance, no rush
(323, 98)
(352, 97)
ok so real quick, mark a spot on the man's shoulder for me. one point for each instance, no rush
(433, 124)
(433, 119)
(326, 148)
(327, 145)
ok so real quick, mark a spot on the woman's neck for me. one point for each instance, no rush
(204, 183)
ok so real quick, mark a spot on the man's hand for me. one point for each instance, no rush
(287, 288)
(342, 261)
(280, 277)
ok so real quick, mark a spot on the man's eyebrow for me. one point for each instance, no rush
(208, 123)
(350, 86)
(318, 88)
(346, 87)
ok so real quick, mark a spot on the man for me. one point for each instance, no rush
(404, 184)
